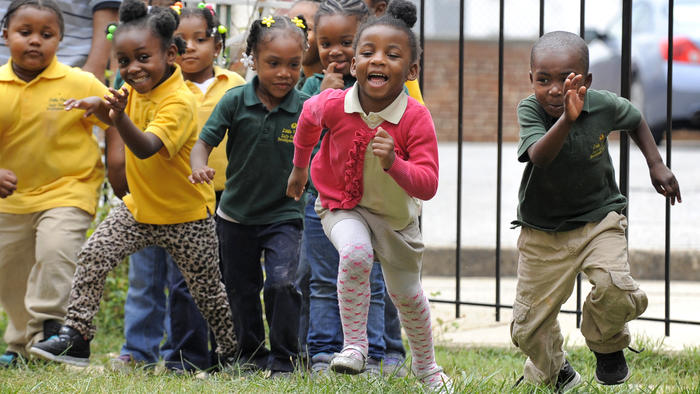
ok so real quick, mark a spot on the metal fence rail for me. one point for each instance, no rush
(624, 154)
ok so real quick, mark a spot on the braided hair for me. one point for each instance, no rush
(356, 8)
(161, 21)
(258, 31)
(401, 15)
(40, 4)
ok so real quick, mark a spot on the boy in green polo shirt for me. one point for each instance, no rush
(570, 216)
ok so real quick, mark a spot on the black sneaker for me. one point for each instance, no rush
(51, 328)
(69, 347)
(568, 378)
(9, 359)
(611, 368)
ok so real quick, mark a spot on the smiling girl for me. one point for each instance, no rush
(155, 117)
(255, 217)
(50, 175)
(379, 156)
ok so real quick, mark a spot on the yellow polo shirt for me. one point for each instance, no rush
(224, 80)
(52, 151)
(160, 192)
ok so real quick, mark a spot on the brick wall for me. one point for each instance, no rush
(480, 113)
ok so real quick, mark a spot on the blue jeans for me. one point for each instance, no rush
(325, 331)
(148, 313)
(242, 247)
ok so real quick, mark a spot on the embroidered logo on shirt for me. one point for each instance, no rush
(56, 104)
(598, 147)
(288, 133)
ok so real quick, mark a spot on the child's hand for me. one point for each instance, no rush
(665, 182)
(574, 94)
(331, 78)
(116, 101)
(383, 147)
(8, 182)
(202, 175)
(89, 104)
(297, 182)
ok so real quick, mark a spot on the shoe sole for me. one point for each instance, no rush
(575, 381)
(623, 380)
(76, 361)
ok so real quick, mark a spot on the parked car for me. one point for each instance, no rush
(649, 61)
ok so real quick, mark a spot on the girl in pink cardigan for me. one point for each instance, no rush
(378, 159)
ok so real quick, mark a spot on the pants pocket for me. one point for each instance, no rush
(623, 281)
(517, 325)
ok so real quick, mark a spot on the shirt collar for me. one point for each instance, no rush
(585, 103)
(168, 87)
(290, 103)
(392, 113)
(52, 71)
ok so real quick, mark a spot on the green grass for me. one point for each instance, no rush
(475, 370)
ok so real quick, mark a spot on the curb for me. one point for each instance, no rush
(645, 264)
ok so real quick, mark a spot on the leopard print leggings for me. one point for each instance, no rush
(194, 248)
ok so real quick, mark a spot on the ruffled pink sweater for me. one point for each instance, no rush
(337, 167)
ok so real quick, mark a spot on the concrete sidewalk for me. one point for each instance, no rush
(477, 326)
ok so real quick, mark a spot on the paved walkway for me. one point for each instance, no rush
(477, 326)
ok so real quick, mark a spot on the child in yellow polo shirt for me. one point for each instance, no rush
(156, 118)
(50, 175)
(151, 270)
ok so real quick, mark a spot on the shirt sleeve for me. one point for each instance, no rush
(627, 116)
(418, 174)
(172, 124)
(532, 126)
(97, 5)
(95, 88)
(219, 121)
(309, 128)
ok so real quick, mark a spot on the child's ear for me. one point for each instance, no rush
(4, 33)
(217, 48)
(353, 67)
(171, 54)
(413, 71)
(587, 82)
(530, 73)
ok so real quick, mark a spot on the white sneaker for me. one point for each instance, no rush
(437, 382)
(350, 361)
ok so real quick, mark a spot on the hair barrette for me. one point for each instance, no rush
(111, 28)
(300, 23)
(177, 9)
(222, 29)
(267, 21)
(247, 60)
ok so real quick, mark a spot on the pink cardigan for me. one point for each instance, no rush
(337, 167)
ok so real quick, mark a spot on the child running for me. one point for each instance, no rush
(570, 214)
(50, 175)
(378, 156)
(256, 218)
(156, 118)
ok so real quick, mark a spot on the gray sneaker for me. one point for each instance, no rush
(320, 363)
(349, 361)
(394, 364)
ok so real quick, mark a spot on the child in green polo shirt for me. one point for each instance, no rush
(255, 217)
(570, 216)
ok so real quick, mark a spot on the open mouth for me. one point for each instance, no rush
(377, 79)
(138, 80)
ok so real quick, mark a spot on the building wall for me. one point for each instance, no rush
(480, 113)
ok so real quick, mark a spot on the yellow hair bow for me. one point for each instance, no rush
(300, 23)
(268, 21)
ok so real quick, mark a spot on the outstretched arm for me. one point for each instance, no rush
(92, 105)
(116, 162)
(661, 176)
(143, 145)
(544, 151)
(199, 157)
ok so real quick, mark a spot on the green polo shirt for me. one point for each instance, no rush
(260, 150)
(579, 185)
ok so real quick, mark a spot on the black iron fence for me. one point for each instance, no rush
(625, 71)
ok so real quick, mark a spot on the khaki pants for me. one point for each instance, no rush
(547, 268)
(37, 260)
